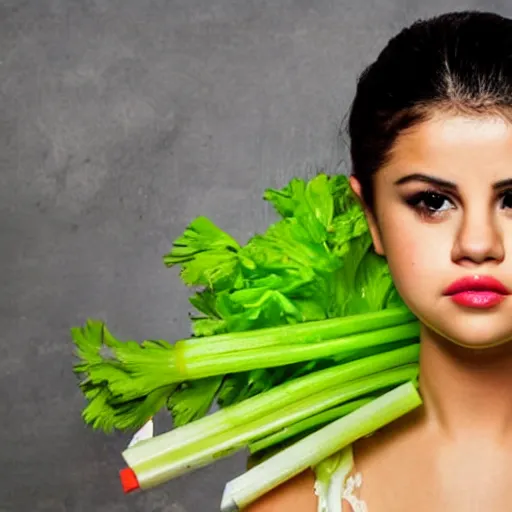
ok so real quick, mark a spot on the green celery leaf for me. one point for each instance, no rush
(207, 255)
(117, 397)
(246, 321)
(393, 298)
(285, 200)
(311, 204)
(105, 412)
(243, 385)
(90, 340)
(232, 388)
(286, 244)
(272, 307)
(203, 326)
(343, 282)
(200, 235)
(320, 200)
(344, 198)
(307, 219)
(345, 228)
(217, 269)
(372, 282)
(192, 400)
(283, 280)
(311, 309)
(204, 302)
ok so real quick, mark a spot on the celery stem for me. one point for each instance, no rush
(183, 459)
(306, 332)
(311, 450)
(314, 421)
(239, 361)
(274, 399)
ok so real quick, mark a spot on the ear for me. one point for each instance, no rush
(355, 185)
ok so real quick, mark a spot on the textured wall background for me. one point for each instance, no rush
(120, 121)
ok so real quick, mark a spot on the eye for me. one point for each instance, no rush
(507, 199)
(432, 203)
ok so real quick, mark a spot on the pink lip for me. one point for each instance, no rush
(477, 283)
(477, 291)
(479, 300)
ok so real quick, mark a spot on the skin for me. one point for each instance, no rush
(455, 452)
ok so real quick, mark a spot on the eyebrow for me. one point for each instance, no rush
(443, 183)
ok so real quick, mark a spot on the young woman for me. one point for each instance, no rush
(431, 146)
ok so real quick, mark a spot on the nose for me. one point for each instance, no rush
(479, 238)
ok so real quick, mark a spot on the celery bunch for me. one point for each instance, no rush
(314, 264)
(298, 329)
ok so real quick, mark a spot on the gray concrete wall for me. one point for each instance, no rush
(120, 121)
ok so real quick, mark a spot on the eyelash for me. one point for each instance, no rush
(418, 202)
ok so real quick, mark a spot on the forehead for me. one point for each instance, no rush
(455, 146)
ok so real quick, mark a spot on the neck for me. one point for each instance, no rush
(466, 391)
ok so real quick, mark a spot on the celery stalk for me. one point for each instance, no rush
(274, 399)
(243, 360)
(174, 366)
(314, 421)
(330, 474)
(311, 450)
(306, 332)
(183, 459)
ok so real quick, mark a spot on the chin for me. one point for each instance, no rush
(479, 344)
(471, 329)
(475, 333)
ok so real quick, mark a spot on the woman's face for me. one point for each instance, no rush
(443, 211)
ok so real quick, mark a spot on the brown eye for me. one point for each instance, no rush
(430, 202)
(507, 199)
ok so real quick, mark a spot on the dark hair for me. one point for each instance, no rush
(458, 61)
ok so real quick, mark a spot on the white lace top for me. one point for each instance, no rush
(340, 494)
(351, 484)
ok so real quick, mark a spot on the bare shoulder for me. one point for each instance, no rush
(390, 457)
(297, 494)
(393, 442)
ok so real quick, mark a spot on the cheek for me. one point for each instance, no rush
(415, 257)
